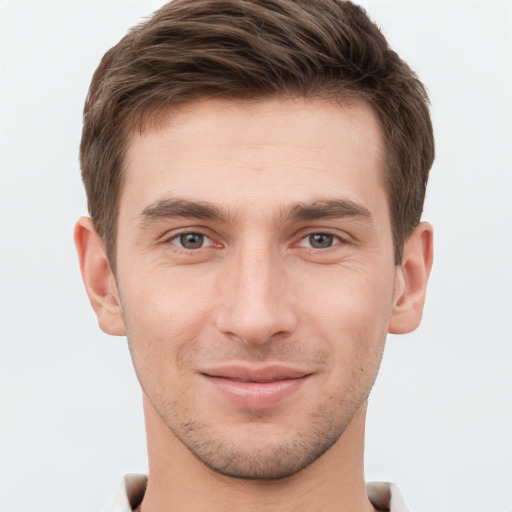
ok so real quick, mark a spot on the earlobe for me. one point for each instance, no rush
(98, 278)
(411, 282)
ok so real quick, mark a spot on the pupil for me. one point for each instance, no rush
(320, 240)
(192, 240)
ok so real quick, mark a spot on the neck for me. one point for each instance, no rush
(179, 481)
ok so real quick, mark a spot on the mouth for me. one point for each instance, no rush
(256, 388)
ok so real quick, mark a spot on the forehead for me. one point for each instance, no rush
(275, 151)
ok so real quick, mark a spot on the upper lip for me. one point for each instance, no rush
(269, 373)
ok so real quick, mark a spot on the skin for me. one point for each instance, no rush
(288, 261)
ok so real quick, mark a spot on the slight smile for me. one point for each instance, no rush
(256, 388)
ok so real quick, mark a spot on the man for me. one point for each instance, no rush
(255, 173)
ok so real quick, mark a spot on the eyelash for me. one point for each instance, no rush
(178, 236)
(335, 239)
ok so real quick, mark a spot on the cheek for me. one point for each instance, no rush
(349, 311)
(163, 316)
(165, 299)
(358, 297)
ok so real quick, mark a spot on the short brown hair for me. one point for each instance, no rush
(254, 49)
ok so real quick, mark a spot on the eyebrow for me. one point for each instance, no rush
(181, 208)
(329, 209)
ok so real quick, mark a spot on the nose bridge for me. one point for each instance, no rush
(258, 278)
(254, 300)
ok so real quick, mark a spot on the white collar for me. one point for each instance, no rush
(130, 491)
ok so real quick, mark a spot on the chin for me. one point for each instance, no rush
(270, 463)
(260, 452)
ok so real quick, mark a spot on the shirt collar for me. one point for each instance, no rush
(131, 489)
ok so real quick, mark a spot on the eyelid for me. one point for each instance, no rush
(336, 239)
(302, 236)
(206, 239)
(340, 237)
(171, 236)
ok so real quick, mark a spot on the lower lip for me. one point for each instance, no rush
(256, 395)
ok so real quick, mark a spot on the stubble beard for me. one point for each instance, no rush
(269, 454)
(257, 458)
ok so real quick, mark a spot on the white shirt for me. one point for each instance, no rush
(129, 494)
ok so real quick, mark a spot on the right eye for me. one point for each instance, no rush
(190, 241)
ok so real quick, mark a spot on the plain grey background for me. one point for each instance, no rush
(440, 417)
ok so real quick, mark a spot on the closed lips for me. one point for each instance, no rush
(261, 375)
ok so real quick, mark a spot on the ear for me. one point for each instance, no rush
(411, 280)
(98, 278)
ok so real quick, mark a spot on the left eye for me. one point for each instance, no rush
(190, 240)
(320, 240)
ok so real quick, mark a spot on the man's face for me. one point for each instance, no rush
(256, 277)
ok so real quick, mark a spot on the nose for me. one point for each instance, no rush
(255, 297)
